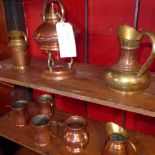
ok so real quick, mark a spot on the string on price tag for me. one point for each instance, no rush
(66, 40)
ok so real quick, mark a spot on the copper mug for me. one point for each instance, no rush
(43, 129)
(118, 142)
(46, 105)
(75, 134)
(20, 113)
(19, 50)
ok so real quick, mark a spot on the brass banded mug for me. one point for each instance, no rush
(19, 50)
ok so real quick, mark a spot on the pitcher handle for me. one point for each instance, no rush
(132, 145)
(25, 37)
(62, 16)
(152, 55)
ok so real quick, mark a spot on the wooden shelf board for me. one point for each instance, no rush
(97, 137)
(88, 85)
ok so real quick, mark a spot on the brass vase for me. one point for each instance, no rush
(127, 76)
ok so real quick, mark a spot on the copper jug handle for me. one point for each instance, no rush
(25, 37)
(132, 145)
(62, 16)
(152, 55)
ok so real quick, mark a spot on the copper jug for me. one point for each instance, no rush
(118, 142)
(75, 134)
(20, 55)
(127, 76)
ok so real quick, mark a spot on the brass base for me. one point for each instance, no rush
(126, 92)
(59, 72)
(21, 69)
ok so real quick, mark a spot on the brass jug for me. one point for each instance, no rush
(118, 143)
(127, 76)
(20, 55)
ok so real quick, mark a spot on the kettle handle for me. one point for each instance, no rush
(62, 16)
(152, 55)
(133, 146)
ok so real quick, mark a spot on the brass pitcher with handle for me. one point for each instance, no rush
(127, 76)
(19, 50)
(118, 142)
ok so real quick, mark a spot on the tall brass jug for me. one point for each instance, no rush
(19, 50)
(118, 142)
(127, 76)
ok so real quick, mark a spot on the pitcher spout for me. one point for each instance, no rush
(128, 37)
(127, 32)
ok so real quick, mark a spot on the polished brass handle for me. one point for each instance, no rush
(25, 37)
(152, 55)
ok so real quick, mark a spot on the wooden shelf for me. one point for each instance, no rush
(87, 85)
(24, 136)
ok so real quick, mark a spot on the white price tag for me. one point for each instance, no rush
(66, 40)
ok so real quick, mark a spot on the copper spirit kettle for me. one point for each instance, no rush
(127, 76)
(118, 142)
(46, 36)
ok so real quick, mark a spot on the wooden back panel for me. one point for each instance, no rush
(4, 48)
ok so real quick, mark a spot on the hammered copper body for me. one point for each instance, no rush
(19, 50)
(118, 142)
(46, 105)
(21, 113)
(75, 134)
(127, 76)
(42, 127)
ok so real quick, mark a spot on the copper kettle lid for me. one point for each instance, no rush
(47, 30)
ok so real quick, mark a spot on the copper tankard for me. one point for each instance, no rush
(43, 130)
(75, 134)
(46, 105)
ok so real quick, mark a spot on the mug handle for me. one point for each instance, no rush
(55, 124)
(52, 107)
(8, 110)
(132, 145)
